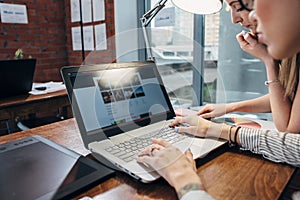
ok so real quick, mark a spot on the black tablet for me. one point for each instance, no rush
(37, 168)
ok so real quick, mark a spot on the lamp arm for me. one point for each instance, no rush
(146, 19)
(148, 16)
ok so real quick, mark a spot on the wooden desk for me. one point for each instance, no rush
(230, 175)
(16, 108)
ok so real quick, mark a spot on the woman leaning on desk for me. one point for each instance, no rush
(283, 76)
(279, 29)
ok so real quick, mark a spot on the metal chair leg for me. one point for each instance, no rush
(8, 126)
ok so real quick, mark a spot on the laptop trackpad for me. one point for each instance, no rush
(183, 146)
(198, 147)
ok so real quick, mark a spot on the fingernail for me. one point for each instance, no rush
(189, 149)
(176, 129)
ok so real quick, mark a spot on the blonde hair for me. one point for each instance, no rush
(289, 75)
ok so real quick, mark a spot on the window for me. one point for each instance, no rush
(228, 73)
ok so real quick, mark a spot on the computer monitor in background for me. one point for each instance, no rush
(16, 77)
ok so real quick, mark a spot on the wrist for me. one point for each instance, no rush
(269, 61)
(231, 107)
(225, 130)
(235, 135)
(184, 177)
(272, 67)
(216, 130)
(187, 188)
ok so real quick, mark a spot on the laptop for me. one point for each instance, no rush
(119, 107)
(16, 77)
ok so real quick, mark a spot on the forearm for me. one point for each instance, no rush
(260, 104)
(273, 145)
(280, 105)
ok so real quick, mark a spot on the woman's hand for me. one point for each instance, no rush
(212, 110)
(198, 126)
(175, 167)
(249, 43)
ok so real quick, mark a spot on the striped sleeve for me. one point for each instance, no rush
(273, 145)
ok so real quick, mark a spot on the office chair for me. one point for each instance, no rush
(7, 124)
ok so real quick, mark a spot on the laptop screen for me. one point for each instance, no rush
(125, 97)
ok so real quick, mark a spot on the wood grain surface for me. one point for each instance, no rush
(233, 174)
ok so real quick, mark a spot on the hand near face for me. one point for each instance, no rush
(249, 43)
(177, 168)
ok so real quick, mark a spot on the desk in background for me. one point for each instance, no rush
(230, 174)
(16, 108)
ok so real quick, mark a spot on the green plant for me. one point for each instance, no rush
(19, 54)
(209, 92)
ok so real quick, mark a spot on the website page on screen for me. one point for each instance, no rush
(118, 96)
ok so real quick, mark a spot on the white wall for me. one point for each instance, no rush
(126, 30)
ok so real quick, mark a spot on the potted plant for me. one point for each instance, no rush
(19, 54)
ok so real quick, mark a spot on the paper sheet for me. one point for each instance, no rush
(100, 35)
(12, 13)
(75, 11)
(76, 38)
(50, 87)
(98, 10)
(88, 35)
(86, 6)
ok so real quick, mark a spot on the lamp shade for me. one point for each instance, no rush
(199, 6)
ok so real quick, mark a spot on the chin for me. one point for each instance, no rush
(274, 53)
(279, 54)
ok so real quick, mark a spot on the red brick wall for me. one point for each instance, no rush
(47, 37)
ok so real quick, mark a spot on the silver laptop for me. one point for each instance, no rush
(119, 107)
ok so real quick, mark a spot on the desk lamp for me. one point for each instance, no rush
(193, 6)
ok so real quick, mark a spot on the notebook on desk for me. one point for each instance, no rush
(119, 107)
(16, 77)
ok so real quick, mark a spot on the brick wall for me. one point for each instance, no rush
(47, 37)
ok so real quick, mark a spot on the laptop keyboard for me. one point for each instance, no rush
(128, 150)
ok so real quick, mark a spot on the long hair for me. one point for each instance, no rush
(289, 75)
